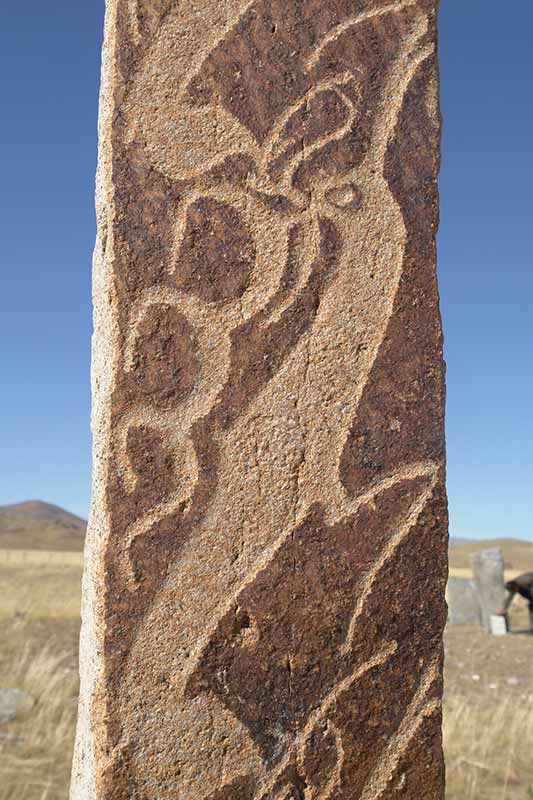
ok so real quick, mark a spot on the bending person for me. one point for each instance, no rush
(522, 585)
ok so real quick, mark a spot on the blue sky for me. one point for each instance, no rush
(50, 56)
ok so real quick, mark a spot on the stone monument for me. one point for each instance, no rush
(267, 553)
(488, 567)
(464, 605)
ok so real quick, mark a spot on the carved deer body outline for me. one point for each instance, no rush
(366, 180)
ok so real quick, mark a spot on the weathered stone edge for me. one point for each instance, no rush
(103, 372)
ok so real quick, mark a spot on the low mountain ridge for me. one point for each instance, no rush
(517, 553)
(36, 525)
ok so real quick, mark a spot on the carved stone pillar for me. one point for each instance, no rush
(267, 554)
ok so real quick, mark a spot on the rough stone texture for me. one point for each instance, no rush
(487, 566)
(464, 605)
(266, 559)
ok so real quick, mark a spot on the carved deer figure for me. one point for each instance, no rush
(307, 184)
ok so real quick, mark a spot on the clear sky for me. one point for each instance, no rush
(50, 56)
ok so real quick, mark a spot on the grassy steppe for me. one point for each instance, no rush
(488, 704)
(39, 620)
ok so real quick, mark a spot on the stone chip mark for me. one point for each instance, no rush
(298, 749)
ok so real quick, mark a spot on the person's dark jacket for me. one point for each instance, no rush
(522, 585)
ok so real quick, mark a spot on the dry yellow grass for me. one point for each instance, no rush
(45, 591)
(36, 748)
(488, 745)
(39, 618)
(41, 557)
(466, 572)
(489, 750)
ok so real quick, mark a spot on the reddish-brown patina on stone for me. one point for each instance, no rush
(266, 560)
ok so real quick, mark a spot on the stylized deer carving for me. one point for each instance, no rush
(296, 197)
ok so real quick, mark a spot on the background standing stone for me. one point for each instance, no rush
(487, 566)
(464, 605)
(267, 548)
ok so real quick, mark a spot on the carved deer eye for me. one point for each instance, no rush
(347, 195)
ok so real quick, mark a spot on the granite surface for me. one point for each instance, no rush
(267, 550)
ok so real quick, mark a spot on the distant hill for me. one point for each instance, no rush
(518, 553)
(34, 525)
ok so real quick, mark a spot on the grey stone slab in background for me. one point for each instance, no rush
(487, 567)
(464, 605)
